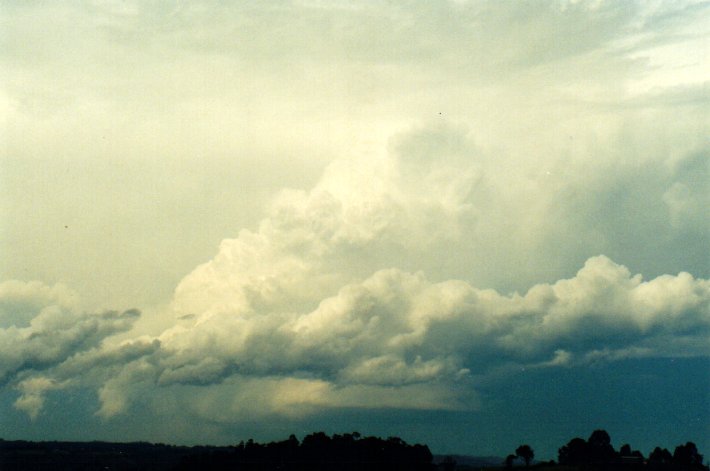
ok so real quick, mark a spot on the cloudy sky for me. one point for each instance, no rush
(470, 224)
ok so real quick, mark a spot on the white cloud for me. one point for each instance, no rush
(20, 302)
(469, 152)
(43, 333)
(340, 297)
(395, 331)
(240, 398)
(117, 391)
(31, 400)
(392, 340)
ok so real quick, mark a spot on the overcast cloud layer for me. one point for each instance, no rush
(417, 198)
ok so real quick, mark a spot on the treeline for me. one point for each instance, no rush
(22, 455)
(316, 452)
(597, 453)
(320, 452)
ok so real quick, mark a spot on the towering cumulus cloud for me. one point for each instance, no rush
(303, 304)
(43, 333)
(320, 307)
(289, 214)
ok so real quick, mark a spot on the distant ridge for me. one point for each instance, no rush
(470, 460)
(316, 452)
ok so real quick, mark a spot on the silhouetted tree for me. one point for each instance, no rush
(317, 452)
(599, 447)
(576, 452)
(660, 456)
(687, 455)
(526, 453)
(627, 454)
(596, 453)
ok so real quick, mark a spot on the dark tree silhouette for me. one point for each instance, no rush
(526, 453)
(576, 452)
(316, 452)
(596, 453)
(687, 455)
(600, 449)
(660, 456)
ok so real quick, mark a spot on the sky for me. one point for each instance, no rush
(469, 224)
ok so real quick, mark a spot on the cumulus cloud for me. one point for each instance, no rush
(398, 340)
(340, 289)
(32, 391)
(340, 297)
(44, 337)
(195, 127)
(446, 247)
(20, 302)
(399, 328)
(41, 329)
(245, 398)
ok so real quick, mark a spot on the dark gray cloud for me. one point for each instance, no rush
(41, 330)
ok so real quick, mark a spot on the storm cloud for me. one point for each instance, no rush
(309, 311)
(277, 212)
